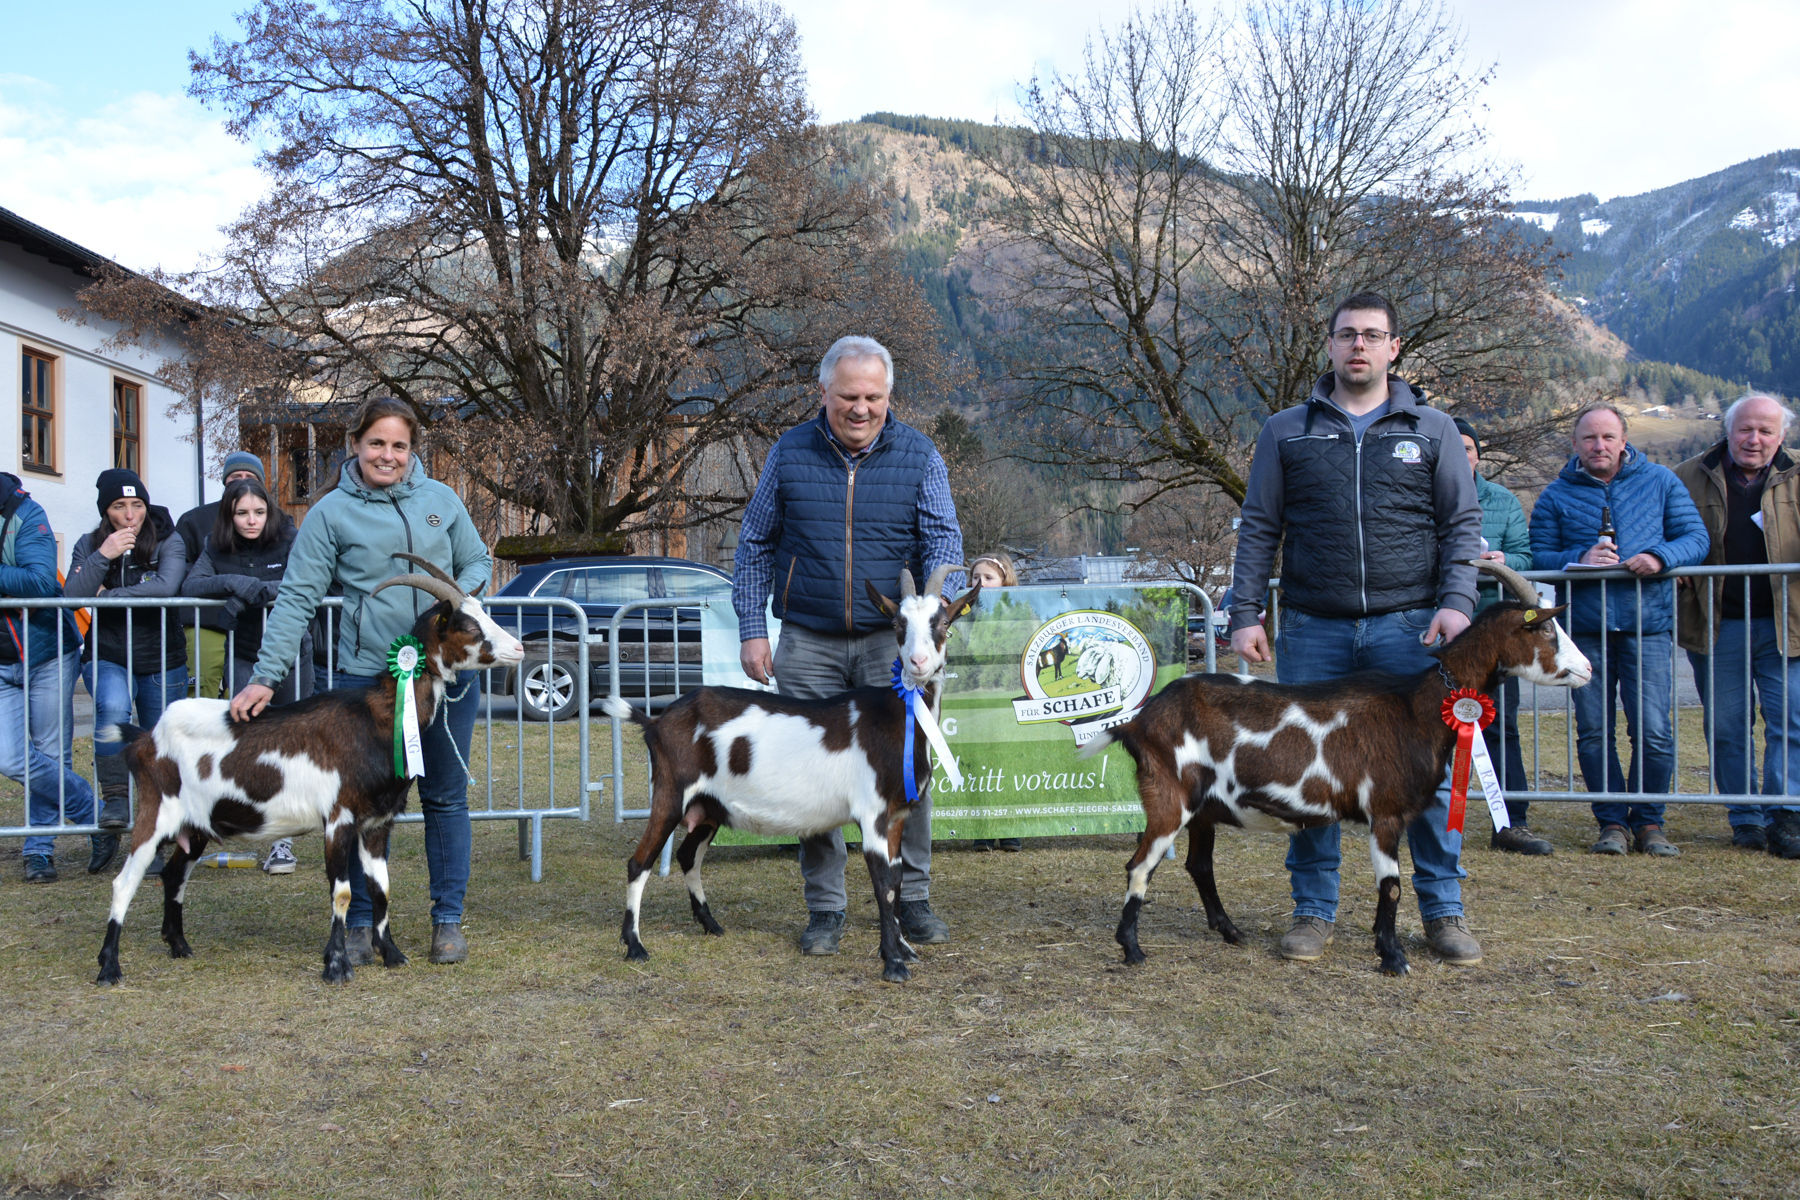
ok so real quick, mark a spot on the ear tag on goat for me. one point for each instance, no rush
(1531, 614)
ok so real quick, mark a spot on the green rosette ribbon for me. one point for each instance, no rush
(405, 662)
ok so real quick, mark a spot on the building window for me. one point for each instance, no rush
(300, 473)
(37, 409)
(127, 409)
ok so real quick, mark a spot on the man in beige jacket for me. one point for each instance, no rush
(1741, 638)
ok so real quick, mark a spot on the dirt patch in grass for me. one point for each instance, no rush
(1634, 1031)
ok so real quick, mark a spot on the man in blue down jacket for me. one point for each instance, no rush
(1625, 628)
(1369, 496)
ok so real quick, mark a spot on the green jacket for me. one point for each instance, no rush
(351, 537)
(1504, 526)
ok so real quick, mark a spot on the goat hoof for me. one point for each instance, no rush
(178, 948)
(908, 954)
(636, 954)
(1396, 967)
(391, 956)
(108, 976)
(1133, 956)
(896, 972)
(338, 969)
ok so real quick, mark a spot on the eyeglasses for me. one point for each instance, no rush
(1347, 337)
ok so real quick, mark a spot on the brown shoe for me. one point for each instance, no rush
(1650, 840)
(1516, 839)
(1612, 841)
(1450, 939)
(1306, 940)
(448, 944)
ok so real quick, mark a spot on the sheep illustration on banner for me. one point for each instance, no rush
(1115, 670)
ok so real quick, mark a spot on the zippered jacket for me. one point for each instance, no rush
(1704, 478)
(822, 522)
(28, 571)
(252, 578)
(1651, 511)
(351, 536)
(1504, 526)
(158, 642)
(1385, 526)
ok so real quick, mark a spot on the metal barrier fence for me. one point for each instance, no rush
(1639, 706)
(539, 790)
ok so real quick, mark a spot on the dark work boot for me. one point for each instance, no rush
(114, 778)
(1784, 835)
(921, 926)
(105, 845)
(824, 930)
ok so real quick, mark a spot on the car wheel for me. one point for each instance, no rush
(547, 691)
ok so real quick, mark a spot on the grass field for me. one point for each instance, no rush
(1634, 1031)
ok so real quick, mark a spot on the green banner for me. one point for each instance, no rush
(1034, 673)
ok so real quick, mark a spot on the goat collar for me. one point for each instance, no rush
(921, 713)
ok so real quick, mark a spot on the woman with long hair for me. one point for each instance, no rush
(242, 560)
(132, 656)
(384, 505)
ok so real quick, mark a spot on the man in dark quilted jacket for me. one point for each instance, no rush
(1368, 496)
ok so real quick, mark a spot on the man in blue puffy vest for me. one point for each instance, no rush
(849, 496)
(1624, 628)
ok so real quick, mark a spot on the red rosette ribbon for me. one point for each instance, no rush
(1465, 710)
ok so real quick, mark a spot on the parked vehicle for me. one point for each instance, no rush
(659, 647)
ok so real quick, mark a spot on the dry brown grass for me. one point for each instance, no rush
(1634, 1031)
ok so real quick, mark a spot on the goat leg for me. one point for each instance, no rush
(340, 835)
(374, 850)
(175, 878)
(124, 888)
(690, 854)
(1152, 845)
(1200, 867)
(1384, 852)
(885, 877)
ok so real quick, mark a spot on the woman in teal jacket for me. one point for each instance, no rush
(384, 505)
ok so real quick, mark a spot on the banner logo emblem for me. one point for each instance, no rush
(1086, 669)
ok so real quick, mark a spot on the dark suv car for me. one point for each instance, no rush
(659, 647)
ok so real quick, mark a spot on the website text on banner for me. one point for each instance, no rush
(1034, 675)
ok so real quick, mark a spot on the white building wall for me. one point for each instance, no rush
(32, 290)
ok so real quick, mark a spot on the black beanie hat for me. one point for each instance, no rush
(1468, 431)
(117, 483)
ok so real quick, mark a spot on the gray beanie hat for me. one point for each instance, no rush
(243, 460)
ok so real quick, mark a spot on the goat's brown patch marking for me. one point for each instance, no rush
(740, 756)
(834, 729)
(205, 766)
(260, 780)
(164, 775)
(705, 759)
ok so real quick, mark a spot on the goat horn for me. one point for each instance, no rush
(449, 593)
(1516, 583)
(935, 585)
(906, 584)
(432, 569)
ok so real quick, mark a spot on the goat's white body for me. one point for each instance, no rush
(195, 730)
(794, 785)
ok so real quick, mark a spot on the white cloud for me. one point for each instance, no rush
(146, 180)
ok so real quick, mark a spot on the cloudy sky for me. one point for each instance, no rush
(100, 142)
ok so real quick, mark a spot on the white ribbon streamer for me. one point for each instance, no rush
(935, 736)
(409, 714)
(1490, 782)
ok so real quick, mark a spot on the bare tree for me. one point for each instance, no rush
(591, 239)
(1190, 205)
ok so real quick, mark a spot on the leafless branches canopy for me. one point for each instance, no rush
(1189, 206)
(595, 238)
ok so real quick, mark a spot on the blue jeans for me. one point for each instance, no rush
(443, 800)
(37, 732)
(1726, 696)
(114, 689)
(1626, 665)
(1310, 649)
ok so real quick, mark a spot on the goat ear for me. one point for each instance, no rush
(1538, 616)
(964, 602)
(888, 607)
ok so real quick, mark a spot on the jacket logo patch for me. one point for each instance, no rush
(1408, 452)
(434, 520)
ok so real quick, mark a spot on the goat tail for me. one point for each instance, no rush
(1101, 741)
(133, 738)
(616, 708)
(124, 731)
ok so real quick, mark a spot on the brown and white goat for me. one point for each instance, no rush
(784, 767)
(1369, 747)
(324, 762)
